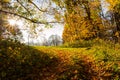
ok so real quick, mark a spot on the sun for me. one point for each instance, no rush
(12, 22)
(19, 23)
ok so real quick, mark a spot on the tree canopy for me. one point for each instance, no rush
(84, 19)
(32, 12)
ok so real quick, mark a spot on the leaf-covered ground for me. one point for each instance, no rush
(21, 62)
(91, 63)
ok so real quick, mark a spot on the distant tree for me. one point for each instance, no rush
(45, 42)
(54, 40)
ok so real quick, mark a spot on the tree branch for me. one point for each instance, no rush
(23, 6)
(37, 6)
(33, 21)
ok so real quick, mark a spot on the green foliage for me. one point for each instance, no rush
(79, 44)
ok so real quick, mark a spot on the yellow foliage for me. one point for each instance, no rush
(117, 34)
(57, 17)
(6, 1)
(78, 25)
(9, 48)
(113, 3)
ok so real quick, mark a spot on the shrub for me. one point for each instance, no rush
(78, 44)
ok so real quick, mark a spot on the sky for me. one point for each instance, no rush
(46, 33)
(104, 6)
(57, 29)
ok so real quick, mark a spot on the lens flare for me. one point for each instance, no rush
(12, 22)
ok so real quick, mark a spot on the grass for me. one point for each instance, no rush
(100, 52)
(105, 57)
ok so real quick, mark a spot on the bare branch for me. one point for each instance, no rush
(23, 6)
(37, 7)
(33, 21)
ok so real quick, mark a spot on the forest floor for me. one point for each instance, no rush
(21, 62)
(102, 60)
